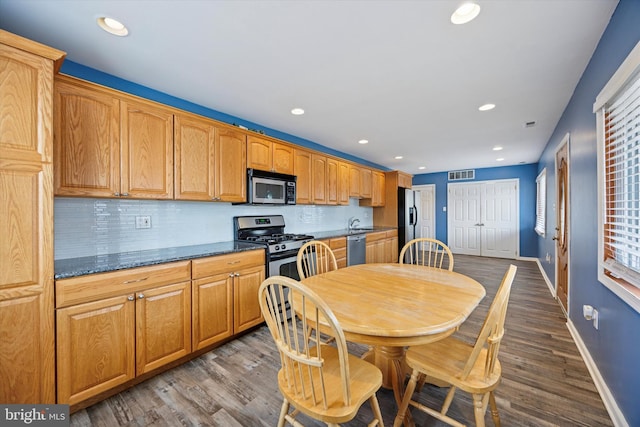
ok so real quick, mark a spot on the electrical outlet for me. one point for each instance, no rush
(143, 221)
(595, 317)
(548, 258)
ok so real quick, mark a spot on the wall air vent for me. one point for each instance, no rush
(460, 175)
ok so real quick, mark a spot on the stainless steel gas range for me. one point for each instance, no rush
(269, 230)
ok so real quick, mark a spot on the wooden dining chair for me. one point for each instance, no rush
(473, 368)
(427, 252)
(315, 257)
(324, 382)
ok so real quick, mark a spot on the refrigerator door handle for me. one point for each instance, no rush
(415, 215)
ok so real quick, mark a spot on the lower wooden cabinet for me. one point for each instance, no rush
(339, 247)
(225, 295)
(382, 247)
(112, 327)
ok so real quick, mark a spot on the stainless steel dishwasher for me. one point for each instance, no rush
(356, 249)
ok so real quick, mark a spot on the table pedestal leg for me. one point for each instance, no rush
(390, 361)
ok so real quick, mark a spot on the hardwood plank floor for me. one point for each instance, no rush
(545, 382)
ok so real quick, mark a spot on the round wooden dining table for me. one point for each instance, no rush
(392, 306)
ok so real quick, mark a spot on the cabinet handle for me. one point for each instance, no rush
(116, 194)
(140, 296)
(130, 298)
(135, 281)
(125, 194)
(233, 262)
(230, 274)
(237, 275)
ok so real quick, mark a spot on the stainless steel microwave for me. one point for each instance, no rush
(270, 188)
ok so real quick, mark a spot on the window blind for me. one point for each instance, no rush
(621, 242)
(541, 202)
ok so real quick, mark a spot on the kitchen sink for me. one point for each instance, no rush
(360, 230)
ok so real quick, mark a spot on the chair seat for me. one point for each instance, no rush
(364, 377)
(445, 360)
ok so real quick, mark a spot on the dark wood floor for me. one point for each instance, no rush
(545, 382)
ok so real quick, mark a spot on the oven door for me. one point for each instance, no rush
(284, 266)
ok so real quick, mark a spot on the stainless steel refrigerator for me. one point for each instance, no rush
(408, 219)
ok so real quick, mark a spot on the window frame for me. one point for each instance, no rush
(628, 71)
(541, 203)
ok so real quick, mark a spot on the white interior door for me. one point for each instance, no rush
(463, 219)
(427, 210)
(483, 218)
(499, 232)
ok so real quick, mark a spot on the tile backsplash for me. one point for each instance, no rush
(85, 227)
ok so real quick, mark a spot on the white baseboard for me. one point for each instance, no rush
(550, 285)
(617, 417)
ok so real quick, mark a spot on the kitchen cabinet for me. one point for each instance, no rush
(332, 181)
(203, 170)
(354, 181)
(378, 195)
(112, 327)
(343, 183)
(108, 144)
(268, 155)
(27, 364)
(302, 170)
(386, 215)
(365, 183)
(319, 179)
(382, 247)
(339, 247)
(225, 289)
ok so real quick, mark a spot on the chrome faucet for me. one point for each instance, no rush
(352, 222)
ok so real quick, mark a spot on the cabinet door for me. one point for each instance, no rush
(259, 154)
(146, 135)
(365, 183)
(319, 179)
(231, 166)
(332, 181)
(95, 347)
(354, 181)
(163, 326)
(87, 141)
(246, 308)
(343, 183)
(283, 158)
(195, 142)
(302, 166)
(212, 310)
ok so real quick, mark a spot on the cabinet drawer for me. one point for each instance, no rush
(337, 243)
(97, 286)
(378, 235)
(392, 233)
(204, 267)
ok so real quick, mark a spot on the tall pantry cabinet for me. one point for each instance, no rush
(27, 364)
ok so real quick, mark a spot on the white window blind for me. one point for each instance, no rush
(541, 202)
(621, 226)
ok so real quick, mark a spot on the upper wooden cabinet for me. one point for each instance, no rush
(343, 183)
(210, 161)
(302, 169)
(332, 181)
(378, 191)
(110, 145)
(27, 352)
(319, 179)
(268, 155)
(365, 183)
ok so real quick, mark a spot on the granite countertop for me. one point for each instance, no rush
(319, 235)
(71, 267)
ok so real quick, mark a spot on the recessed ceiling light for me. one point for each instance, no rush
(422, 167)
(112, 26)
(499, 159)
(497, 148)
(398, 157)
(465, 13)
(297, 111)
(487, 107)
(363, 141)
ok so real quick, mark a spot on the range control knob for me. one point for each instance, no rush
(277, 247)
(283, 247)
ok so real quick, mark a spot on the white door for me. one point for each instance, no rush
(463, 218)
(499, 232)
(483, 218)
(427, 210)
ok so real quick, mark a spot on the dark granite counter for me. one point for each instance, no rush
(71, 267)
(319, 235)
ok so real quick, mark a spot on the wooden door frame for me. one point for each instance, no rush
(565, 141)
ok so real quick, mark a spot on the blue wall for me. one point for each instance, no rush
(525, 173)
(615, 346)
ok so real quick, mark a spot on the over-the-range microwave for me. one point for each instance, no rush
(270, 188)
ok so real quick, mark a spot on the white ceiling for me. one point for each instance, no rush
(395, 72)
